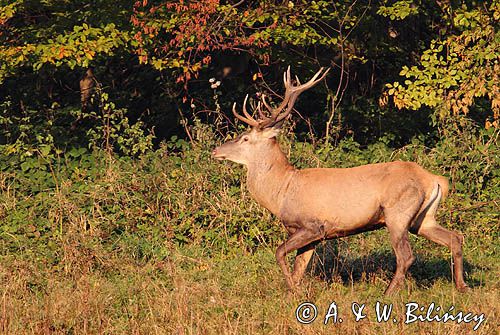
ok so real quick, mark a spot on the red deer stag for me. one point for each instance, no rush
(325, 203)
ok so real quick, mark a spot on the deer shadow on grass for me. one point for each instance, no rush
(330, 264)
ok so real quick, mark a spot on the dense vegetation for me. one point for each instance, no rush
(114, 218)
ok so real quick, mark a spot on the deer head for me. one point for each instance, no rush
(257, 142)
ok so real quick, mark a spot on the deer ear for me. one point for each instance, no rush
(270, 132)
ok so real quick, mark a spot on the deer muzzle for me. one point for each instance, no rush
(217, 155)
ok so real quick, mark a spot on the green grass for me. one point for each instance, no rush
(189, 292)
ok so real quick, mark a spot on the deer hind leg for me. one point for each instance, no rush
(453, 240)
(299, 239)
(431, 230)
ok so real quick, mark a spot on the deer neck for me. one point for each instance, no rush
(268, 178)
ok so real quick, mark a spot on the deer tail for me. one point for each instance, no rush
(445, 186)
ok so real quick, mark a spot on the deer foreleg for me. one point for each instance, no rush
(301, 260)
(300, 238)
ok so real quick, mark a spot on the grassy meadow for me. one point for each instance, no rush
(171, 243)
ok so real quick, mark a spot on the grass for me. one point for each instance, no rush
(194, 291)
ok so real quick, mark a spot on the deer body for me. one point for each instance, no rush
(348, 199)
(324, 203)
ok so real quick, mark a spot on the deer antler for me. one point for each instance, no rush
(291, 94)
(276, 114)
(248, 119)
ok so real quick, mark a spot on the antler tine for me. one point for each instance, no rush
(262, 116)
(313, 81)
(287, 112)
(298, 80)
(245, 109)
(288, 91)
(248, 119)
(291, 94)
(288, 81)
(264, 102)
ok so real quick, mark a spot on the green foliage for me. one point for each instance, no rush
(80, 46)
(107, 127)
(185, 36)
(178, 195)
(7, 10)
(95, 169)
(399, 10)
(99, 215)
(112, 128)
(25, 134)
(98, 230)
(456, 71)
(74, 45)
(146, 54)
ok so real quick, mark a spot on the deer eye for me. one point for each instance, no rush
(245, 138)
